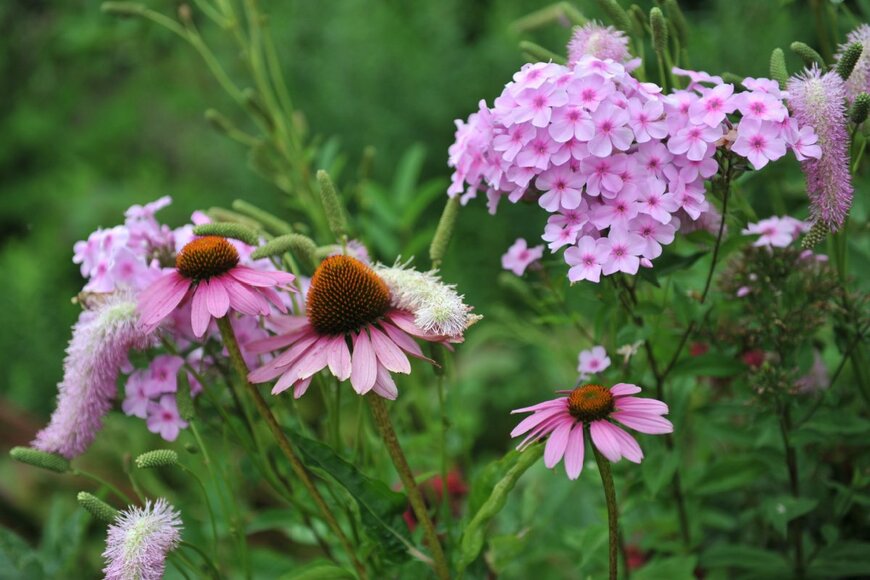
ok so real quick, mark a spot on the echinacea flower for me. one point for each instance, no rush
(564, 420)
(207, 271)
(139, 540)
(98, 349)
(351, 326)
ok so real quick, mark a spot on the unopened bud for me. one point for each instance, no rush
(778, 70)
(49, 461)
(860, 108)
(444, 231)
(808, 55)
(849, 59)
(331, 205)
(97, 507)
(659, 27)
(300, 246)
(816, 235)
(157, 458)
(616, 14)
(228, 230)
(675, 16)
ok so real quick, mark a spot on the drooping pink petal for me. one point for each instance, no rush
(385, 386)
(279, 365)
(535, 419)
(390, 355)
(275, 298)
(364, 364)
(649, 424)
(245, 300)
(199, 316)
(604, 439)
(338, 358)
(404, 341)
(315, 359)
(162, 297)
(574, 452)
(628, 447)
(557, 443)
(252, 277)
(641, 406)
(620, 389)
(279, 340)
(544, 405)
(216, 297)
(300, 387)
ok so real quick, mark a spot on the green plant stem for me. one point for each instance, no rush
(120, 494)
(612, 511)
(446, 511)
(211, 517)
(795, 526)
(214, 570)
(385, 426)
(232, 346)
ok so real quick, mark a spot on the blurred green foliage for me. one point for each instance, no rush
(98, 113)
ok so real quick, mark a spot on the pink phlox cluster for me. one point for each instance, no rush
(619, 166)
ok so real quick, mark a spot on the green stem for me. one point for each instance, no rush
(211, 517)
(612, 510)
(385, 426)
(795, 526)
(120, 494)
(232, 346)
(446, 511)
(214, 570)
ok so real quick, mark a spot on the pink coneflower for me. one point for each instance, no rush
(565, 419)
(593, 39)
(819, 100)
(207, 270)
(98, 349)
(139, 540)
(350, 327)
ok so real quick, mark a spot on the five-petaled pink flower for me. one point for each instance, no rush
(596, 408)
(592, 361)
(586, 259)
(758, 141)
(519, 256)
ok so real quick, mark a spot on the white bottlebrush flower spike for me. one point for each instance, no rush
(436, 306)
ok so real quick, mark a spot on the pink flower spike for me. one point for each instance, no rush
(519, 256)
(563, 422)
(759, 142)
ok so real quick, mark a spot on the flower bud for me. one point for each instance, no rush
(49, 461)
(808, 55)
(616, 14)
(816, 235)
(97, 507)
(219, 122)
(300, 246)
(228, 230)
(848, 60)
(157, 458)
(778, 70)
(860, 107)
(659, 27)
(331, 205)
(676, 18)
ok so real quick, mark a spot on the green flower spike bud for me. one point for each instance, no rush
(97, 507)
(849, 59)
(228, 230)
(49, 461)
(444, 231)
(659, 27)
(332, 205)
(157, 458)
(808, 55)
(778, 70)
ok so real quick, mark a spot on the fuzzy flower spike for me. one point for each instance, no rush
(360, 329)
(207, 271)
(565, 419)
(819, 100)
(139, 540)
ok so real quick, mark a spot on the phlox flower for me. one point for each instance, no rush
(654, 234)
(777, 232)
(761, 106)
(561, 188)
(694, 140)
(623, 249)
(592, 361)
(611, 131)
(207, 272)
(711, 109)
(594, 409)
(586, 259)
(655, 202)
(163, 418)
(758, 141)
(519, 256)
(645, 119)
(571, 122)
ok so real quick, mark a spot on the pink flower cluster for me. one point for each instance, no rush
(617, 164)
(592, 362)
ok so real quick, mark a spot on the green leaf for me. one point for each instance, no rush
(779, 511)
(381, 508)
(674, 568)
(319, 570)
(658, 470)
(844, 559)
(671, 262)
(745, 558)
(472, 538)
(17, 558)
(407, 174)
(731, 473)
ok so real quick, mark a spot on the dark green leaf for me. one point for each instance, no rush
(319, 570)
(709, 365)
(745, 558)
(779, 511)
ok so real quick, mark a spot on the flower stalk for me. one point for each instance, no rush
(232, 346)
(612, 511)
(385, 426)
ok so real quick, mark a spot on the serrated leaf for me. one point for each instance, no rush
(381, 508)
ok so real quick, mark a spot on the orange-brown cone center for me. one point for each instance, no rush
(345, 295)
(590, 403)
(206, 257)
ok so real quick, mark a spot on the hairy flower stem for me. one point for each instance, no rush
(795, 526)
(232, 346)
(385, 426)
(612, 511)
